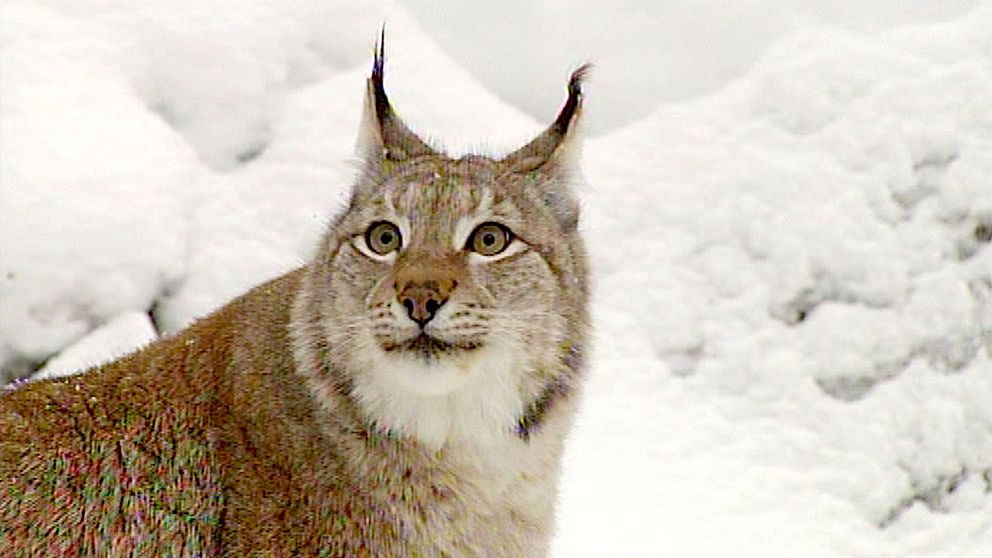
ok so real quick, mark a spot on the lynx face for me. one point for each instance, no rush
(452, 291)
(443, 270)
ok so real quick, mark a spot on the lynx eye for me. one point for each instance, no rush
(383, 237)
(489, 239)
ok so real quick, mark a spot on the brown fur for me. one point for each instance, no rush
(242, 435)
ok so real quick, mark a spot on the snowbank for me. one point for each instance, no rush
(806, 366)
(96, 188)
(122, 335)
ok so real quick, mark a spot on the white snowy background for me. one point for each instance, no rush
(788, 206)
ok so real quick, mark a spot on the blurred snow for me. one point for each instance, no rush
(96, 188)
(793, 301)
(120, 336)
(645, 52)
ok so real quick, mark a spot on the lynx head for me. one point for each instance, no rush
(449, 299)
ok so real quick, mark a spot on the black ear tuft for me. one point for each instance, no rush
(382, 109)
(383, 136)
(574, 100)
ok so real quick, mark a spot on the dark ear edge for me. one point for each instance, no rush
(573, 104)
(383, 111)
(384, 136)
(549, 144)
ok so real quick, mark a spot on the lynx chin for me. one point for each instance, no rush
(405, 394)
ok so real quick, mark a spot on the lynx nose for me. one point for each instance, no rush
(422, 300)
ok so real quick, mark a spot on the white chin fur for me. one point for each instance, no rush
(469, 397)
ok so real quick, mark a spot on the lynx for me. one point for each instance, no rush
(404, 394)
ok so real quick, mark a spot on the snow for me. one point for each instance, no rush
(118, 337)
(645, 52)
(793, 301)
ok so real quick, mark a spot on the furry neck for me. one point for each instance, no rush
(471, 405)
(468, 400)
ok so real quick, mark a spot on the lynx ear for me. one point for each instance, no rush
(383, 136)
(550, 161)
(560, 143)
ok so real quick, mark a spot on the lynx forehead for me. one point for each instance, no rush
(432, 201)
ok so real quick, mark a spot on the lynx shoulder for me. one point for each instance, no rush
(406, 393)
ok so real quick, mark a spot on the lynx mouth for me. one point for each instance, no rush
(430, 348)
